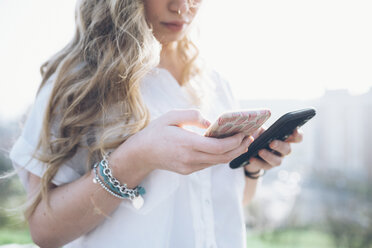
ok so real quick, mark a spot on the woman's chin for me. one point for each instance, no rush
(166, 39)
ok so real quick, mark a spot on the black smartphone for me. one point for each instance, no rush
(280, 130)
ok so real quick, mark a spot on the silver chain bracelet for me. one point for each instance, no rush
(125, 193)
(132, 193)
(96, 179)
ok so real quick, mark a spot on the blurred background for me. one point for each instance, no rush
(283, 55)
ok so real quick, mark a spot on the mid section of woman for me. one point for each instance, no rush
(129, 96)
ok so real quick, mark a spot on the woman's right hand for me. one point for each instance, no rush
(165, 145)
(79, 206)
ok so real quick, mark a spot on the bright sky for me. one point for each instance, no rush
(267, 49)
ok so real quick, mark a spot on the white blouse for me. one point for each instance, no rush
(201, 210)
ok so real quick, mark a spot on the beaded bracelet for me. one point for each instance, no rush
(113, 186)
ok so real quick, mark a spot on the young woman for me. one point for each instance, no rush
(105, 154)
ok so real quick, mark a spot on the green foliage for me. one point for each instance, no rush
(5, 164)
(348, 217)
(8, 184)
(338, 206)
(13, 228)
(12, 196)
(11, 236)
(289, 237)
(350, 234)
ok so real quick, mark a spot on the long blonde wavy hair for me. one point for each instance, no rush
(112, 50)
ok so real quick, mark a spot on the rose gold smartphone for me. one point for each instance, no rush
(246, 121)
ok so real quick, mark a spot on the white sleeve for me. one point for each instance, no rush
(22, 152)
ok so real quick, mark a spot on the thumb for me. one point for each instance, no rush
(185, 117)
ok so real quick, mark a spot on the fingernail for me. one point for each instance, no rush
(274, 144)
(207, 123)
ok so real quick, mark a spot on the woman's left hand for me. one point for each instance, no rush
(274, 158)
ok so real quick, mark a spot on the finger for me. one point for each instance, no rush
(259, 131)
(259, 163)
(270, 158)
(203, 157)
(282, 147)
(181, 117)
(296, 136)
(219, 146)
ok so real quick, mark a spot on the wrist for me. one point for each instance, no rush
(252, 168)
(254, 175)
(253, 171)
(126, 170)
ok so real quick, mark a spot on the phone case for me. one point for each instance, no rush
(230, 123)
(280, 130)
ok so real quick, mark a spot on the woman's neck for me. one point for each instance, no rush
(170, 60)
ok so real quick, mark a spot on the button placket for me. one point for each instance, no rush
(207, 209)
(195, 203)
